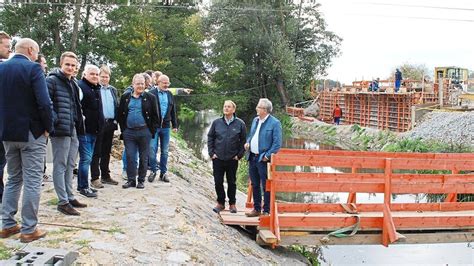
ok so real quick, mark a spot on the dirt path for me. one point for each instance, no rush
(162, 224)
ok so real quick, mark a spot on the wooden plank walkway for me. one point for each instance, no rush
(238, 218)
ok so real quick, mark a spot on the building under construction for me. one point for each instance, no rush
(383, 108)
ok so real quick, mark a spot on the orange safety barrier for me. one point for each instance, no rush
(396, 173)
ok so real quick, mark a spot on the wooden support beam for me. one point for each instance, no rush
(389, 233)
(267, 236)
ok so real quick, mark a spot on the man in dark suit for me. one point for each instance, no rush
(5, 49)
(26, 119)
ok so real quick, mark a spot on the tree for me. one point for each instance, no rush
(414, 71)
(272, 48)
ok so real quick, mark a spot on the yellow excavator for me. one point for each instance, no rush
(457, 75)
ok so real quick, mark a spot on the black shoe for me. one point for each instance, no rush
(140, 185)
(164, 178)
(93, 190)
(129, 184)
(88, 192)
(152, 177)
(68, 209)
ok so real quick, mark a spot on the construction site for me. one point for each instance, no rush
(377, 104)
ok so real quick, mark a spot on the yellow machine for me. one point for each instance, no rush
(456, 74)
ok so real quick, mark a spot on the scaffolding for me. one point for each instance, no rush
(391, 111)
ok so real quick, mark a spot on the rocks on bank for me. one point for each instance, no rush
(445, 127)
(165, 223)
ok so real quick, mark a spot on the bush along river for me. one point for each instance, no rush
(194, 132)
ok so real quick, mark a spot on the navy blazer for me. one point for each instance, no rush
(269, 137)
(24, 100)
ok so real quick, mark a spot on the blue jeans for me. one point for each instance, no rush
(137, 141)
(162, 136)
(3, 162)
(86, 150)
(397, 85)
(124, 159)
(258, 177)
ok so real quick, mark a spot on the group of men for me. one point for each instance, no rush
(79, 117)
(227, 143)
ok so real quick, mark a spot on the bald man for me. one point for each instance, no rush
(26, 119)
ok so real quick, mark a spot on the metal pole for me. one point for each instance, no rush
(440, 91)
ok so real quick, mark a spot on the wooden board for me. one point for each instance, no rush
(267, 236)
(238, 218)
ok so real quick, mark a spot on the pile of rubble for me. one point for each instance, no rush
(446, 127)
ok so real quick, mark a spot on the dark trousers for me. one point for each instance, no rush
(137, 141)
(258, 177)
(102, 150)
(3, 162)
(229, 168)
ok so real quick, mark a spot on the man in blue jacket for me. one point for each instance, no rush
(5, 49)
(26, 119)
(263, 141)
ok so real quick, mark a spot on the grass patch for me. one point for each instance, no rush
(5, 253)
(243, 175)
(53, 202)
(310, 253)
(62, 231)
(116, 229)
(84, 243)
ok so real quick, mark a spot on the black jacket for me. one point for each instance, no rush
(149, 111)
(91, 107)
(170, 117)
(66, 105)
(226, 141)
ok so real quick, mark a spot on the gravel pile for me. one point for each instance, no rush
(448, 127)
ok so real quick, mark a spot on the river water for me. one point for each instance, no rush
(195, 133)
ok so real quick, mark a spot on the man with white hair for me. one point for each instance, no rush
(26, 119)
(94, 121)
(263, 141)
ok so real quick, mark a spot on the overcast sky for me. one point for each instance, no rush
(379, 35)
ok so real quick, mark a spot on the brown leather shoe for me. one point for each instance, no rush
(219, 207)
(27, 238)
(76, 204)
(68, 209)
(253, 213)
(109, 181)
(7, 232)
(232, 208)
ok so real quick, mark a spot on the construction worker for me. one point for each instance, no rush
(337, 114)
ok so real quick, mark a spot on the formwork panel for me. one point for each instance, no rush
(390, 111)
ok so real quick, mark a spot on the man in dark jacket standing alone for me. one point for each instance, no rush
(64, 92)
(225, 144)
(94, 121)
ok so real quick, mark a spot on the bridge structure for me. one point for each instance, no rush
(448, 217)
